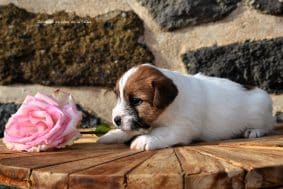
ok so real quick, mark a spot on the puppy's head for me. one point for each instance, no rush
(143, 93)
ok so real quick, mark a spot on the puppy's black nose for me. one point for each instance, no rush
(117, 120)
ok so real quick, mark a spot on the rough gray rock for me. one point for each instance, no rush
(65, 49)
(7, 187)
(6, 110)
(274, 7)
(171, 15)
(279, 117)
(89, 120)
(258, 63)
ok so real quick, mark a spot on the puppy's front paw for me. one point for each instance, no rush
(144, 142)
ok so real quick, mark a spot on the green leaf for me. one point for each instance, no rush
(102, 129)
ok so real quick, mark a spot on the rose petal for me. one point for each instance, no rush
(46, 98)
(69, 139)
(41, 116)
(75, 119)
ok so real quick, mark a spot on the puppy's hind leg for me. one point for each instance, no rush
(255, 133)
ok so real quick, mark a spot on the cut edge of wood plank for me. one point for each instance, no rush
(3, 171)
(257, 176)
(13, 183)
(214, 180)
(200, 174)
(265, 177)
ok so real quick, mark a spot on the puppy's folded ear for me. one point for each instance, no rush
(165, 91)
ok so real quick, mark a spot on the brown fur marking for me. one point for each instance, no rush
(156, 90)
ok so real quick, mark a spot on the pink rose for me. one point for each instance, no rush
(43, 123)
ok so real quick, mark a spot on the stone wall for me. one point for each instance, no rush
(87, 44)
(65, 49)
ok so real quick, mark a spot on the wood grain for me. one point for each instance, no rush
(264, 166)
(96, 146)
(204, 172)
(20, 167)
(56, 176)
(162, 170)
(4, 150)
(21, 175)
(110, 175)
(268, 141)
(13, 183)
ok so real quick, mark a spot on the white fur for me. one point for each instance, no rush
(206, 108)
(120, 108)
(116, 136)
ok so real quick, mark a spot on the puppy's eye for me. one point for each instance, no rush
(135, 101)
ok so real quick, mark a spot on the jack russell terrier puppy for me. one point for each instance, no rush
(162, 108)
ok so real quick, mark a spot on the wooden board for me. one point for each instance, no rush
(56, 176)
(204, 172)
(264, 165)
(240, 163)
(162, 170)
(110, 175)
(270, 141)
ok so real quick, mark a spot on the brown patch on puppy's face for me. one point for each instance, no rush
(147, 93)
